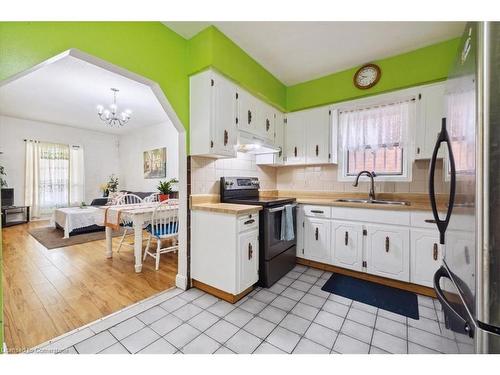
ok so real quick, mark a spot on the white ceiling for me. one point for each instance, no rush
(68, 91)
(300, 51)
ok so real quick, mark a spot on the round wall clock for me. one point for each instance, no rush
(367, 76)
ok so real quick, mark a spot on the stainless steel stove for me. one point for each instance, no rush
(276, 256)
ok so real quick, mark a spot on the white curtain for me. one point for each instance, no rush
(54, 177)
(76, 175)
(32, 177)
(376, 127)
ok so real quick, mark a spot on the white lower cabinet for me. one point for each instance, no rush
(347, 245)
(227, 257)
(388, 251)
(425, 256)
(317, 239)
(248, 254)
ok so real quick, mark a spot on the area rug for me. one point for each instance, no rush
(384, 297)
(52, 238)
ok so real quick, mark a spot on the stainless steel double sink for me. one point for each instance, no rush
(373, 201)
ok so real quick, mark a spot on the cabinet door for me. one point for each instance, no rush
(295, 138)
(224, 131)
(248, 259)
(425, 256)
(248, 116)
(317, 239)
(431, 111)
(300, 231)
(279, 136)
(317, 123)
(347, 245)
(387, 251)
(267, 119)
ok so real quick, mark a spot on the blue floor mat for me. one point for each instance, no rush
(384, 297)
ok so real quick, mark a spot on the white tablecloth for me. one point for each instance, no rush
(75, 217)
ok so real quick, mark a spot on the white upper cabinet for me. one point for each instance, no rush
(431, 110)
(213, 131)
(250, 113)
(317, 239)
(309, 138)
(267, 119)
(295, 138)
(275, 159)
(317, 124)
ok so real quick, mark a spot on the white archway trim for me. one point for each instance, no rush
(181, 280)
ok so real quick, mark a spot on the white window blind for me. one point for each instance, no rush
(76, 176)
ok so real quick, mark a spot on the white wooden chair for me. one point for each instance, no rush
(155, 197)
(164, 225)
(127, 224)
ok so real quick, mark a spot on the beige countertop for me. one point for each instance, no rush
(226, 208)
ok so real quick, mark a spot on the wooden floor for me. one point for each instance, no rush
(50, 292)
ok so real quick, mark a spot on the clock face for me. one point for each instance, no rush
(367, 76)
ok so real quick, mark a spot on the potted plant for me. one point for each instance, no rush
(113, 184)
(165, 188)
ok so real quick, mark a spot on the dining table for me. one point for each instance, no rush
(139, 215)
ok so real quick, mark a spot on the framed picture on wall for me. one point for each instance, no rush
(155, 163)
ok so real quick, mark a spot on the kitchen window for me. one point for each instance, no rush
(375, 139)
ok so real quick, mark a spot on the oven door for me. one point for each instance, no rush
(271, 231)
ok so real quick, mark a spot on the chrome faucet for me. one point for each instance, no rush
(371, 194)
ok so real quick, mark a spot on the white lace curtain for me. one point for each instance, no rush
(53, 176)
(376, 127)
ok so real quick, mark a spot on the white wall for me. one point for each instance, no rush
(132, 146)
(100, 152)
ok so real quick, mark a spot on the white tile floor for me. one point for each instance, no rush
(293, 316)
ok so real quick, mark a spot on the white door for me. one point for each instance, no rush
(317, 124)
(295, 138)
(425, 256)
(317, 239)
(224, 116)
(387, 251)
(248, 259)
(248, 117)
(347, 245)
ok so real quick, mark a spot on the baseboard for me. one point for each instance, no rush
(181, 281)
(228, 297)
(415, 288)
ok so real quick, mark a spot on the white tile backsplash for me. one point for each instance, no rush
(206, 172)
(325, 178)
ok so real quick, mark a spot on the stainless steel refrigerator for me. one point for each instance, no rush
(468, 282)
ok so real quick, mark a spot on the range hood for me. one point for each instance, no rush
(252, 144)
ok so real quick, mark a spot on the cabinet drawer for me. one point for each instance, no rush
(318, 211)
(371, 215)
(248, 222)
(418, 219)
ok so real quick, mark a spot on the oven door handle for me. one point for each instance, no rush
(271, 210)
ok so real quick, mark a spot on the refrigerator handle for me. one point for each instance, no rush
(443, 137)
(443, 272)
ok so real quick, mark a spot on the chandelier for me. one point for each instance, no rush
(111, 116)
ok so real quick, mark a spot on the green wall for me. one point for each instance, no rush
(421, 66)
(211, 48)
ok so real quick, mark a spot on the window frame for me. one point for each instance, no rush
(408, 152)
